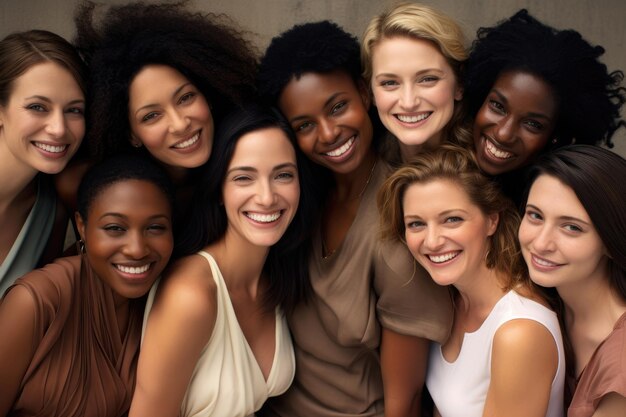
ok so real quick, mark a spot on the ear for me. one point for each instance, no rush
(134, 141)
(364, 92)
(80, 225)
(492, 223)
(458, 92)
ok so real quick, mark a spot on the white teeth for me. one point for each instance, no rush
(412, 119)
(498, 153)
(443, 258)
(51, 148)
(342, 149)
(133, 269)
(188, 142)
(263, 218)
(543, 262)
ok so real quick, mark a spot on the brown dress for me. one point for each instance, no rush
(364, 286)
(82, 365)
(605, 373)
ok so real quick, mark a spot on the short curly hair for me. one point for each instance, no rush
(319, 47)
(205, 48)
(589, 97)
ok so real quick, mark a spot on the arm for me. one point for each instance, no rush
(17, 330)
(403, 365)
(611, 405)
(178, 328)
(524, 361)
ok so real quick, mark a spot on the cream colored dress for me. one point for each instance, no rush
(227, 380)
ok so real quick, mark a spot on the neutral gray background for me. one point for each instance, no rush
(600, 21)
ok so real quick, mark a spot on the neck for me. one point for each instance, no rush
(407, 152)
(480, 294)
(352, 185)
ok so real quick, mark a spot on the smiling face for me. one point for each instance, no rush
(43, 123)
(170, 117)
(328, 112)
(261, 190)
(128, 236)
(559, 242)
(446, 232)
(515, 122)
(414, 90)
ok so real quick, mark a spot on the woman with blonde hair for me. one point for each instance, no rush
(505, 354)
(412, 57)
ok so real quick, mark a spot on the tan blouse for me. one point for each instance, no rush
(82, 366)
(364, 286)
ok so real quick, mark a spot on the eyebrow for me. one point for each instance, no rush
(174, 94)
(421, 72)
(443, 213)
(566, 218)
(122, 216)
(48, 100)
(326, 103)
(530, 114)
(252, 169)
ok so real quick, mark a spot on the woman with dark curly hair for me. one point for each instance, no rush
(361, 340)
(531, 88)
(161, 77)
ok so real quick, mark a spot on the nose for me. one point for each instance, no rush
(179, 122)
(136, 246)
(544, 240)
(409, 97)
(434, 239)
(266, 195)
(56, 124)
(505, 130)
(328, 131)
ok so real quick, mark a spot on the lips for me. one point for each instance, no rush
(51, 148)
(134, 270)
(263, 217)
(342, 149)
(496, 151)
(413, 118)
(443, 257)
(543, 263)
(187, 142)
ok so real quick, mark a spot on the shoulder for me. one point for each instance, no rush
(522, 337)
(53, 282)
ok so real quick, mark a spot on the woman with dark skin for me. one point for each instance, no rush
(361, 341)
(572, 238)
(531, 88)
(161, 78)
(70, 332)
(42, 123)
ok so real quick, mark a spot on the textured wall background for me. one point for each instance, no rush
(600, 21)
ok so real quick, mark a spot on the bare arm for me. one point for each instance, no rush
(17, 330)
(403, 362)
(179, 326)
(524, 361)
(611, 405)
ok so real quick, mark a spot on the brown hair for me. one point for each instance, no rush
(459, 166)
(21, 51)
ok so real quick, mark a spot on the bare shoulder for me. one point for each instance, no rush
(523, 336)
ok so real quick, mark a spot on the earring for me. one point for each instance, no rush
(555, 140)
(136, 144)
(80, 246)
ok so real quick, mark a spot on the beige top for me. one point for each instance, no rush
(364, 285)
(605, 373)
(227, 380)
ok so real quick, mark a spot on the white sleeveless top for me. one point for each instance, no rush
(227, 380)
(459, 389)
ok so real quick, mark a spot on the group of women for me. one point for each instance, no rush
(324, 232)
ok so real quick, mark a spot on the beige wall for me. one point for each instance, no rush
(600, 21)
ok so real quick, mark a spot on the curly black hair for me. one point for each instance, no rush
(318, 47)
(206, 48)
(589, 96)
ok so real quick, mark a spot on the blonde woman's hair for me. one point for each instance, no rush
(458, 165)
(421, 22)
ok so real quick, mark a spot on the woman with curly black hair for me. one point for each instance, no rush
(361, 340)
(161, 77)
(531, 88)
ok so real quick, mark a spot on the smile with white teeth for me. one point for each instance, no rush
(412, 119)
(133, 269)
(342, 149)
(51, 148)
(495, 151)
(444, 257)
(543, 262)
(188, 142)
(263, 218)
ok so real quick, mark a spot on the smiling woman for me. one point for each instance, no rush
(70, 332)
(42, 123)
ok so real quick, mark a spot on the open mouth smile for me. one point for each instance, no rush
(188, 142)
(544, 262)
(414, 118)
(51, 148)
(444, 257)
(134, 270)
(263, 218)
(495, 151)
(342, 149)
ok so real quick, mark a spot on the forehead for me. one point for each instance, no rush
(47, 79)
(129, 197)
(438, 194)
(263, 147)
(527, 90)
(554, 197)
(400, 52)
(145, 83)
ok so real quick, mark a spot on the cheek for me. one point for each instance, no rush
(413, 242)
